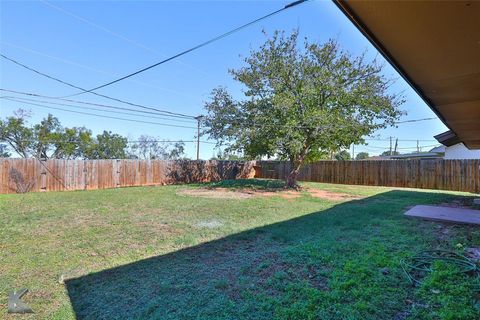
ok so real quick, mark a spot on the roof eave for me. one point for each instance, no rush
(448, 138)
(343, 6)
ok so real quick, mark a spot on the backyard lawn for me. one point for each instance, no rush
(236, 250)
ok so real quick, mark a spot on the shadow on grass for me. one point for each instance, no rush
(269, 271)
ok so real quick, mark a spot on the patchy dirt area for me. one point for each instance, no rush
(335, 196)
(225, 193)
(217, 193)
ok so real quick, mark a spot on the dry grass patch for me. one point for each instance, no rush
(244, 193)
(329, 195)
(217, 193)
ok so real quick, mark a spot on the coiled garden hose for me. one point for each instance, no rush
(421, 264)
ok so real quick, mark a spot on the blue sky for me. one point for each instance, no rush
(88, 43)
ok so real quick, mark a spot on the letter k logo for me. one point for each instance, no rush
(15, 305)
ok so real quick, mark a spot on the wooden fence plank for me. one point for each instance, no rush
(62, 175)
(454, 175)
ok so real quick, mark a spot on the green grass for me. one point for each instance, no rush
(148, 253)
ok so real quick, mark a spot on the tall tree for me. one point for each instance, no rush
(46, 139)
(177, 151)
(148, 147)
(390, 153)
(107, 145)
(223, 155)
(44, 133)
(71, 143)
(343, 156)
(362, 156)
(301, 101)
(16, 134)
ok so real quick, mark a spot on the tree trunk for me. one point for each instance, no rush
(291, 179)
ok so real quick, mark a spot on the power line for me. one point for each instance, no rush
(115, 34)
(415, 147)
(26, 100)
(121, 108)
(203, 44)
(394, 123)
(416, 120)
(90, 108)
(209, 142)
(93, 104)
(170, 141)
(402, 148)
(361, 146)
(275, 126)
(145, 107)
(128, 141)
(96, 25)
(102, 116)
(76, 64)
(181, 115)
(127, 109)
(410, 140)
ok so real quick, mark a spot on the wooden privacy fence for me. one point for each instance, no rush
(455, 175)
(22, 175)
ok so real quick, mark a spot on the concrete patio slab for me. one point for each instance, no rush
(446, 214)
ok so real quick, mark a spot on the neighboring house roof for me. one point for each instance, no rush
(447, 138)
(440, 60)
(419, 155)
(435, 153)
(378, 158)
(439, 149)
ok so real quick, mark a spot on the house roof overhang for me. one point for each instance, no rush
(435, 46)
(448, 138)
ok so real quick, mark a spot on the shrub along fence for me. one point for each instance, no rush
(24, 175)
(455, 175)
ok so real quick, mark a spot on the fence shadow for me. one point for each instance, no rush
(200, 282)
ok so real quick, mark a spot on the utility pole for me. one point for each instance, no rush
(391, 145)
(396, 146)
(353, 151)
(198, 118)
(418, 148)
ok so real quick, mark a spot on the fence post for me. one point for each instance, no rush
(85, 182)
(43, 174)
(455, 175)
(116, 171)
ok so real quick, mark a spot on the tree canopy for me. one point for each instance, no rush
(3, 151)
(343, 156)
(300, 101)
(49, 139)
(222, 155)
(362, 156)
(390, 153)
(107, 145)
(46, 139)
(148, 147)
